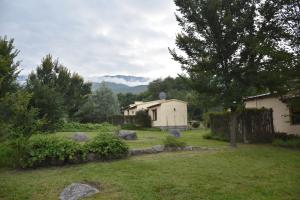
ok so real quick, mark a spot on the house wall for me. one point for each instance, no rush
(167, 117)
(281, 114)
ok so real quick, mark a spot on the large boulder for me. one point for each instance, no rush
(175, 133)
(77, 191)
(80, 137)
(127, 135)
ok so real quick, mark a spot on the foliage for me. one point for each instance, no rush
(17, 117)
(12, 152)
(126, 99)
(290, 143)
(195, 124)
(76, 126)
(142, 119)
(99, 106)
(210, 136)
(135, 127)
(261, 172)
(8, 66)
(45, 150)
(56, 93)
(172, 141)
(107, 146)
(234, 48)
(285, 136)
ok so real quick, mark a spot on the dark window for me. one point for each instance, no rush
(154, 115)
(295, 115)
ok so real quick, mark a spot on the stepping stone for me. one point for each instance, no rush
(77, 191)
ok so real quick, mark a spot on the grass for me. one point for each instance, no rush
(249, 172)
(151, 138)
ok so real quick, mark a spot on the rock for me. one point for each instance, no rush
(76, 191)
(188, 148)
(92, 157)
(127, 135)
(175, 133)
(80, 137)
(158, 148)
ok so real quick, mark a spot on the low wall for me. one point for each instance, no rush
(165, 128)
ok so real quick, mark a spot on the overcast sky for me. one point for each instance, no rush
(94, 37)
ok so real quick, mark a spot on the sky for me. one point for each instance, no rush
(94, 37)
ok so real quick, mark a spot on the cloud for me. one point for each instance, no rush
(94, 37)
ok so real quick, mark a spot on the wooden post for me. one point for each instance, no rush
(233, 127)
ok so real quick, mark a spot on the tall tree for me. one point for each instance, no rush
(45, 96)
(8, 66)
(56, 92)
(232, 48)
(100, 105)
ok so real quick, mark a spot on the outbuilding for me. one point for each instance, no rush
(286, 115)
(165, 114)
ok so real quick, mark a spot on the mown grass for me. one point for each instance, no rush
(151, 138)
(249, 172)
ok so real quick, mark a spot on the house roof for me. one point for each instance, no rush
(260, 96)
(289, 95)
(156, 103)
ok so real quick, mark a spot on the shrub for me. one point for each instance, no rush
(210, 136)
(142, 119)
(134, 127)
(107, 146)
(290, 143)
(75, 126)
(285, 136)
(44, 150)
(195, 124)
(172, 141)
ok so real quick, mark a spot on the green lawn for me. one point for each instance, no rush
(151, 138)
(256, 172)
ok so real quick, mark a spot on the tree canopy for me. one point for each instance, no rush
(231, 49)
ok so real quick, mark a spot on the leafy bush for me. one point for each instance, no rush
(142, 119)
(134, 127)
(285, 136)
(210, 136)
(172, 141)
(44, 150)
(107, 146)
(195, 124)
(290, 143)
(75, 126)
(17, 117)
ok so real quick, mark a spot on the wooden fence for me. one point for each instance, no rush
(253, 125)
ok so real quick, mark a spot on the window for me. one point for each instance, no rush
(295, 115)
(154, 115)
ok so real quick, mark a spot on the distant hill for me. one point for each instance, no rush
(121, 79)
(117, 83)
(121, 88)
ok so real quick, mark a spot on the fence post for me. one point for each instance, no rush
(233, 127)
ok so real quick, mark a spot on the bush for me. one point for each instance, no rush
(285, 136)
(210, 136)
(290, 143)
(75, 126)
(107, 146)
(134, 127)
(172, 141)
(142, 119)
(45, 150)
(195, 124)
